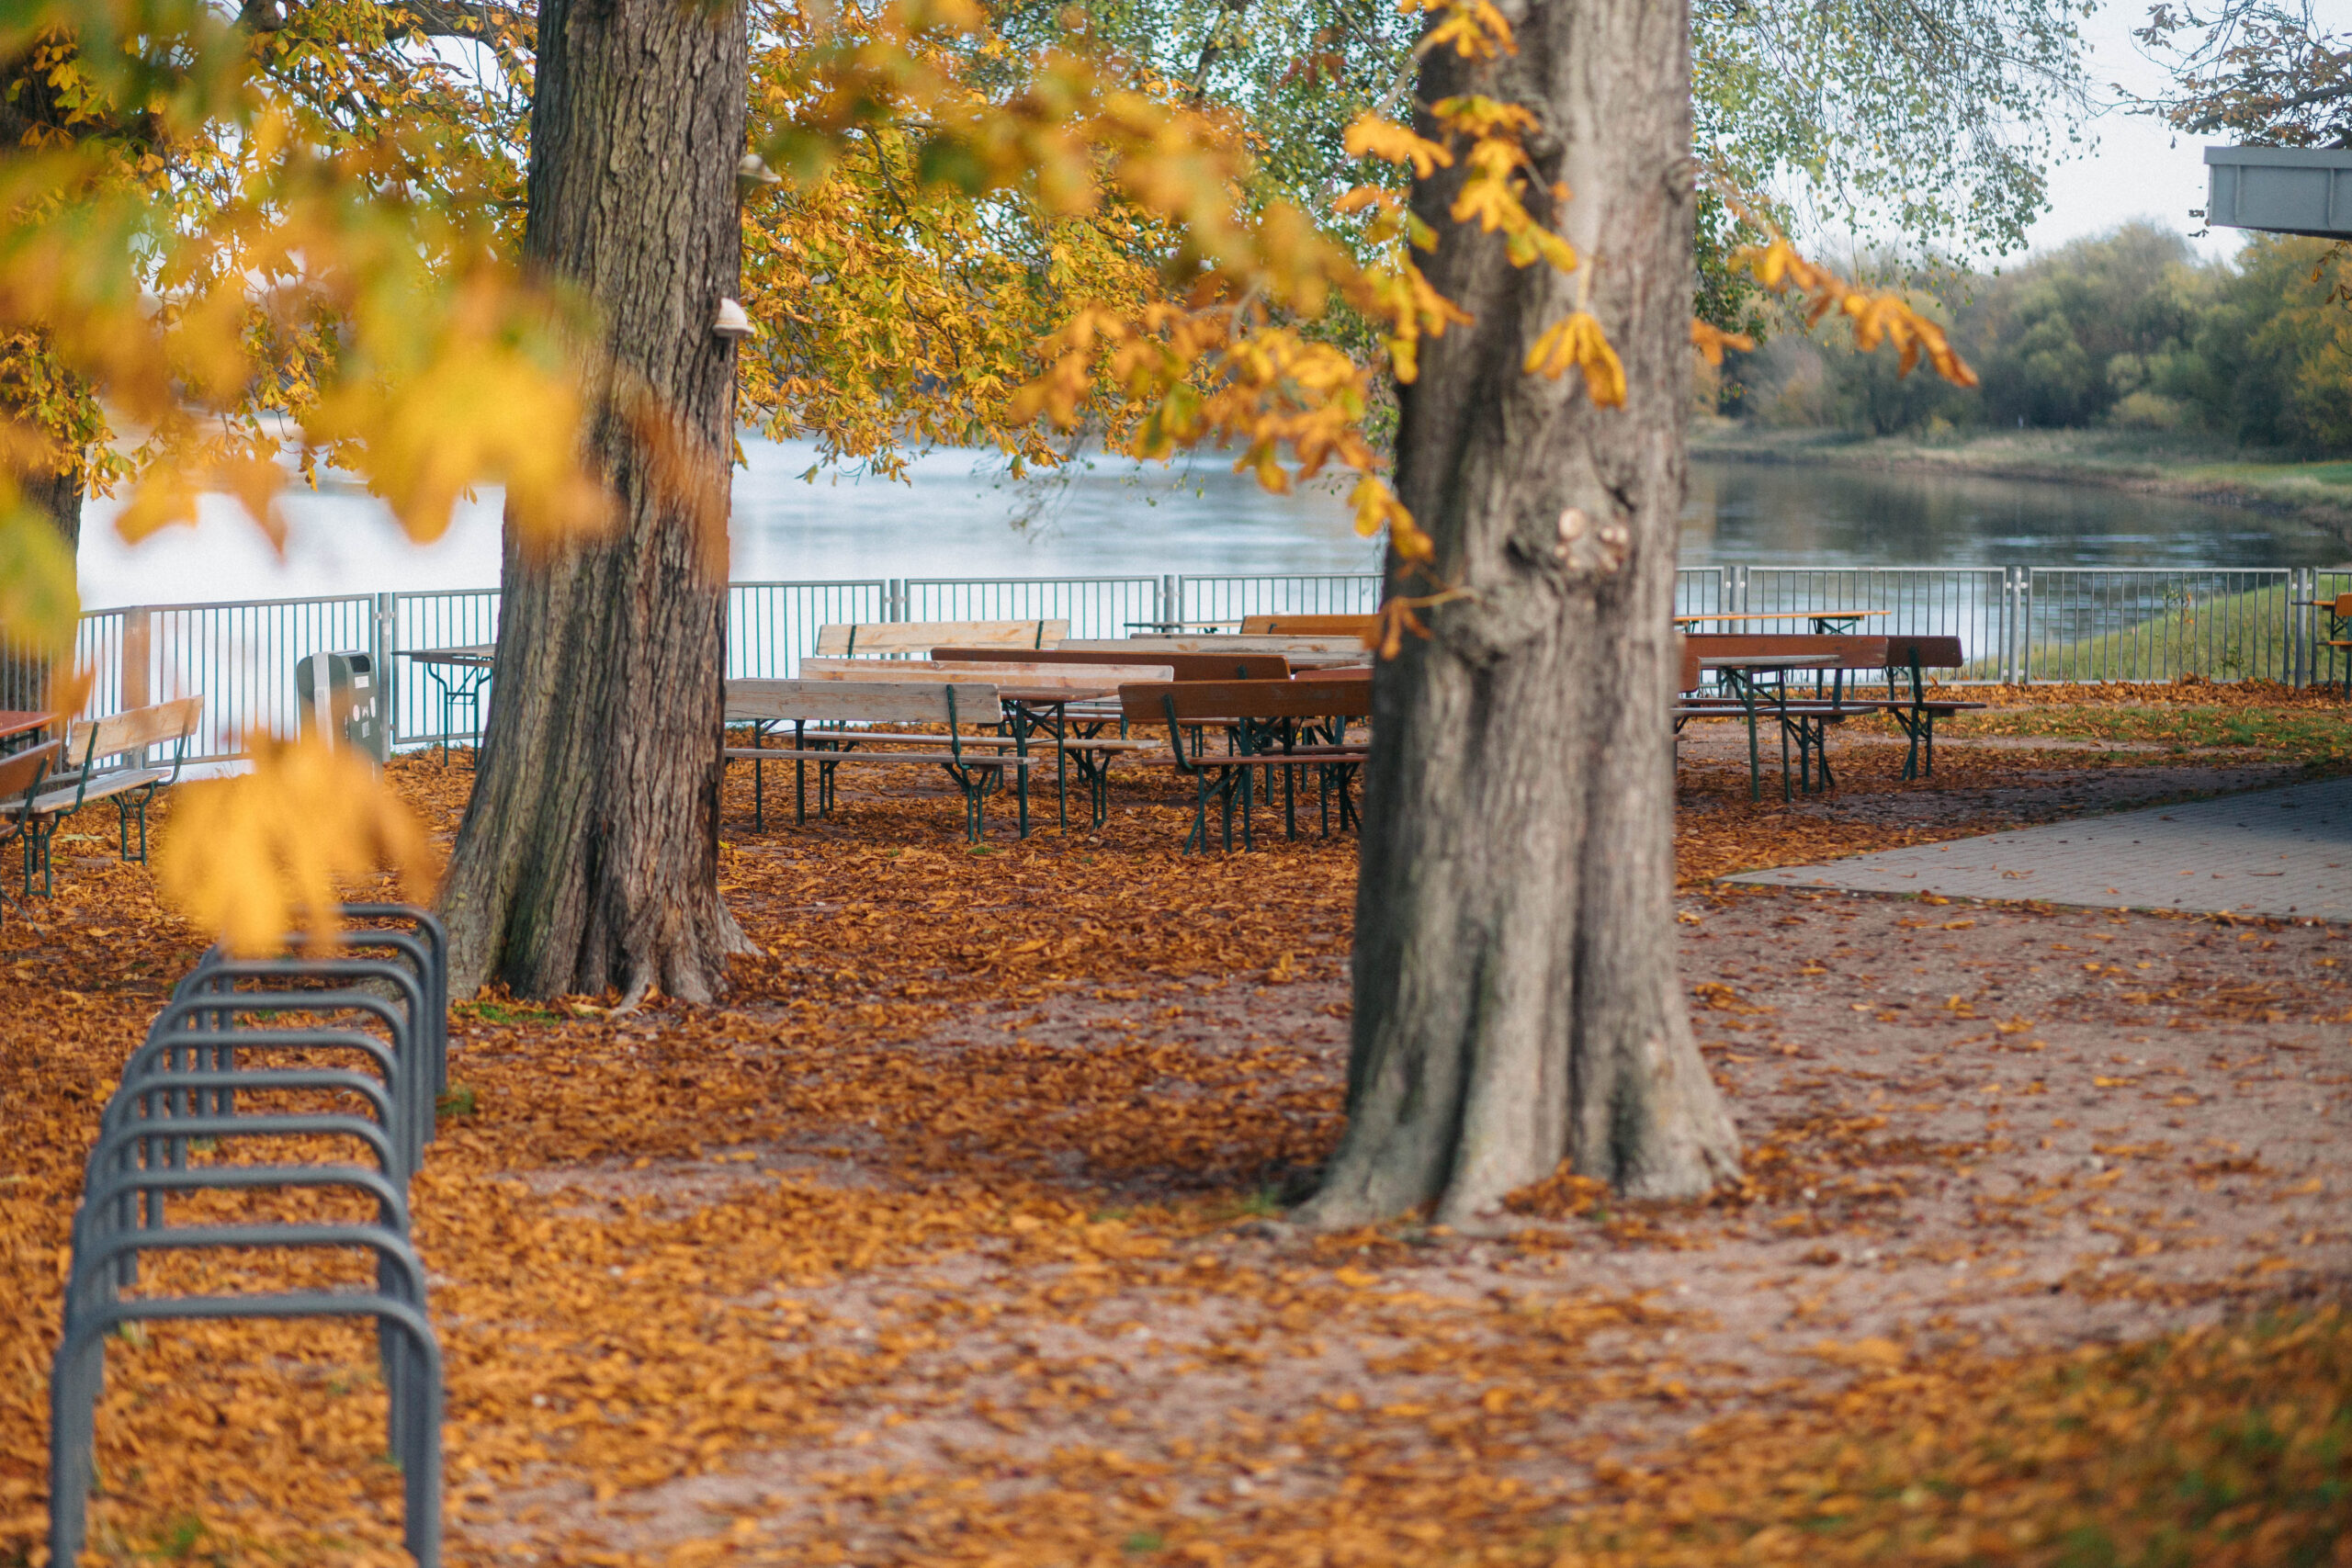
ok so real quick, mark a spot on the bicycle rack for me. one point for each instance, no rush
(195, 1080)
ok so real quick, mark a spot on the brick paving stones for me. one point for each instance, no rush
(2273, 851)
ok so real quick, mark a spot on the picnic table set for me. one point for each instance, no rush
(991, 704)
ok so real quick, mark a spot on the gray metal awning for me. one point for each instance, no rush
(2284, 190)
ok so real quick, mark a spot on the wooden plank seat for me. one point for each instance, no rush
(886, 639)
(1304, 652)
(1180, 666)
(104, 759)
(1288, 725)
(1362, 627)
(832, 707)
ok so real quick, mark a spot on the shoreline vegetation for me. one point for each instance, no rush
(2170, 464)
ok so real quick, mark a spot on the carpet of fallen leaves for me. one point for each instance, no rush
(952, 1237)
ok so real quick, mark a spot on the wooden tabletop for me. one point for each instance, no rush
(15, 721)
(1780, 615)
(475, 654)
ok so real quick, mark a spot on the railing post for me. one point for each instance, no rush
(383, 642)
(137, 634)
(2025, 626)
(2300, 584)
(893, 599)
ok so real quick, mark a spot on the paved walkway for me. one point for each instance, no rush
(2274, 852)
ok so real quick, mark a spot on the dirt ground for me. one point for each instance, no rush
(1970, 1130)
(955, 1235)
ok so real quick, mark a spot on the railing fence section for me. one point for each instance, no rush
(769, 625)
(1094, 606)
(2016, 624)
(239, 657)
(2123, 623)
(1232, 598)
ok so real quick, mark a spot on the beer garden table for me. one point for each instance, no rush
(462, 674)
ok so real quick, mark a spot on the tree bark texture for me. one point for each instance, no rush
(588, 856)
(1516, 994)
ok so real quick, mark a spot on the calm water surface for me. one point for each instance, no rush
(959, 517)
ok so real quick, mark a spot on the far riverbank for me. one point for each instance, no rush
(2150, 463)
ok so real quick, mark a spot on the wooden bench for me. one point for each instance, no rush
(834, 705)
(1058, 699)
(895, 638)
(20, 776)
(1913, 708)
(1269, 724)
(2339, 640)
(1804, 718)
(1361, 628)
(1180, 666)
(105, 758)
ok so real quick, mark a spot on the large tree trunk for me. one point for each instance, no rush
(588, 856)
(1516, 998)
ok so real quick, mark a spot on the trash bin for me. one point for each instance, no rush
(342, 699)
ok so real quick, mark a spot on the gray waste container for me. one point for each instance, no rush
(342, 699)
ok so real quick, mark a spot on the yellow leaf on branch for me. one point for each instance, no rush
(1575, 341)
(252, 858)
(1372, 137)
(1376, 507)
(1877, 318)
(1711, 341)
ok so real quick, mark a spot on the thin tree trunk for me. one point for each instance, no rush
(588, 856)
(1516, 996)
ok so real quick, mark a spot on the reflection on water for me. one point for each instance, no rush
(1782, 514)
(959, 517)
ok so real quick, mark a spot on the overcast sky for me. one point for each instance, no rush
(2134, 166)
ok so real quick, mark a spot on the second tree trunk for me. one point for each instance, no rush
(588, 856)
(1516, 994)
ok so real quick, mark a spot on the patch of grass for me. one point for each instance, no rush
(2308, 735)
(1143, 1542)
(2230, 1444)
(460, 1101)
(183, 1540)
(505, 1012)
(1264, 1204)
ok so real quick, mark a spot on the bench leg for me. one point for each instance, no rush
(1754, 760)
(42, 833)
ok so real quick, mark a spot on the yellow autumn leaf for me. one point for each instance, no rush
(1711, 341)
(254, 857)
(1578, 341)
(1373, 136)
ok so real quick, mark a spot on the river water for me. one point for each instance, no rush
(959, 517)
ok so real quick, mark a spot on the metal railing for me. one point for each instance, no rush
(2016, 624)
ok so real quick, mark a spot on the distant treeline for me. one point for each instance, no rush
(2126, 330)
